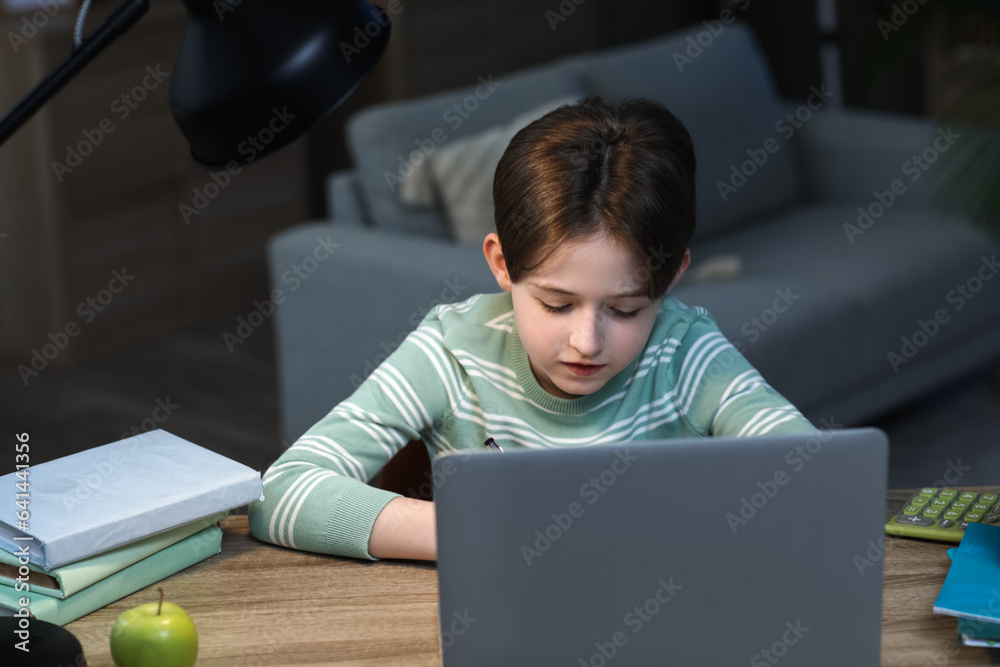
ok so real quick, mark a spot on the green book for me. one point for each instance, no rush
(193, 549)
(66, 580)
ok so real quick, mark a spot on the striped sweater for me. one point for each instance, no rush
(463, 375)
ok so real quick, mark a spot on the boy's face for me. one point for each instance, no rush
(582, 316)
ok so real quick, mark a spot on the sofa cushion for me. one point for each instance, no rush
(387, 140)
(461, 174)
(744, 311)
(727, 101)
(859, 311)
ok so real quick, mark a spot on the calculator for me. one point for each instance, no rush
(943, 514)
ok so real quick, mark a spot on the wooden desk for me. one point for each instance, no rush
(258, 604)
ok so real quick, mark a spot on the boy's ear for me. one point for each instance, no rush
(685, 263)
(494, 257)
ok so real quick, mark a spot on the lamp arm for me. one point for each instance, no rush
(120, 20)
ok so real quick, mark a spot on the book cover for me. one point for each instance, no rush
(90, 502)
(971, 590)
(192, 549)
(69, 579)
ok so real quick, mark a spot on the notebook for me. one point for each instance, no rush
(978, 633)
(708, 551)
(972, 588)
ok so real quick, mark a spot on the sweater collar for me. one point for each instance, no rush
(566, 406)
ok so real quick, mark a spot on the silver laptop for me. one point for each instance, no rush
(711, 551)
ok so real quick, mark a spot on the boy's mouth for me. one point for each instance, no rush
(583, 369)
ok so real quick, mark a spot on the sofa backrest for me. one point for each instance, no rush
(385, 140)
(720, 89)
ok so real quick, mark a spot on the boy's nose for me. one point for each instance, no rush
(587, 337)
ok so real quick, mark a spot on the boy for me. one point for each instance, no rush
(595, 208)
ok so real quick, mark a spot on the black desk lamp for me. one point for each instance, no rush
(243, 69)
(242, 65)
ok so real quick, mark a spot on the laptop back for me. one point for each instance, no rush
(711, 551)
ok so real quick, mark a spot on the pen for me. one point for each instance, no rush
(492, 444)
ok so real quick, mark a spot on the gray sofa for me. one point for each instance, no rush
(846, 315)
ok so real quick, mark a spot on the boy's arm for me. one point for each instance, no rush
(316, 494)
(405, 528)
(721, 394)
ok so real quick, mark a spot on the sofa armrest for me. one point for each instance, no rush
(846, 155)
(343, 201)
(346, 298)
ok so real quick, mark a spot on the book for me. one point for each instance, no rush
(979, 632)
(971, 590)
(165, 562)
(976, 641)
(87, 503)
(68, 579)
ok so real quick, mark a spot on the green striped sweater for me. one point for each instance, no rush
(463, 375)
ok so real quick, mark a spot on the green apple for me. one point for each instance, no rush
(154, 635)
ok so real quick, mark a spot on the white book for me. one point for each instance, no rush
(71, 508)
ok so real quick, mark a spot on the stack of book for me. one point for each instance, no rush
(80, 532)
(971, 591)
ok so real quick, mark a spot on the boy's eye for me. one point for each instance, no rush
(617, 313)
(627, 315)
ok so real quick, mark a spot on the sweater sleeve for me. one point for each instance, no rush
(721, 394)
(316, 494)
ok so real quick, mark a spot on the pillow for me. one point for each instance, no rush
(461, 174)
(417, 189)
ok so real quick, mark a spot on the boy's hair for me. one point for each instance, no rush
(622, 169)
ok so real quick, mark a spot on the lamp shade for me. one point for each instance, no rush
(251, 76)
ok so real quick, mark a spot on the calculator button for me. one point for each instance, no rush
(973, 516)
(928, 491)
(979, 507)
(952, 514)
(911, 510)
(919, 500)
(990, 518)
(940, 504)
(996, 509)
(963, 524)
(948, 493)
(945, 523)
(932, 512)
(968, 496)
(959, 506)
(988, 498)
(914, 520)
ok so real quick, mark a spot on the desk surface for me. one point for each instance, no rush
(259, 604)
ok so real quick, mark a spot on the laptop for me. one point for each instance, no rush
(709, 551)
